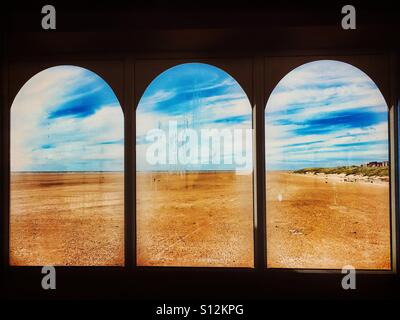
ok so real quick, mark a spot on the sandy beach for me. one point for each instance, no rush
(196, 219)
(67, 219)
(199, 219)
(327, 222)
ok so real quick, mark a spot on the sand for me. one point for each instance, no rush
(197, 219)
(322, 222)
(74, 219)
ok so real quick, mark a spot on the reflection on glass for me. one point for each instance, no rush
(327, 170)
(194, 170)
(67, 147)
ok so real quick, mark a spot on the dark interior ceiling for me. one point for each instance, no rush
(114, 15)
(205, 26)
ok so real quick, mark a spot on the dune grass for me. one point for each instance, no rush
(349, 170)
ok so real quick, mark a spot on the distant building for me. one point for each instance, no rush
(376, 164)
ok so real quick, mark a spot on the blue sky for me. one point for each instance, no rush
(66, 118)
(197, 96)
(324, 114)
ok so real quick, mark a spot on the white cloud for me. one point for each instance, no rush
(39, 142)
(320, 90)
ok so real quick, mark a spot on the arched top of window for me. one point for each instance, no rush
(195, 96)
(175, 85)
(326, 79)
(66, 118)
(329, 112)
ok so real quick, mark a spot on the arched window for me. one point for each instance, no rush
(67, 162)
(194, 170)
(327, 170)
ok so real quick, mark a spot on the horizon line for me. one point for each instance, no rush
(122, 171)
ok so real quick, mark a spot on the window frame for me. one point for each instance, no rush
(21, 72)
(277, 67)
(123, 79)
(146, 70)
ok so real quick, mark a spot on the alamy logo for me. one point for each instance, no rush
(349, 20)
(49, 20)
(349, 280)
(206, 146)
(49, 280)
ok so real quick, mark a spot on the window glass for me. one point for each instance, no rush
(194, 170)
(67, 162)
(327, 170)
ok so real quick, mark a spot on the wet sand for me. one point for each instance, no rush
(322, 222)
(197, 219)
(71, 219)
